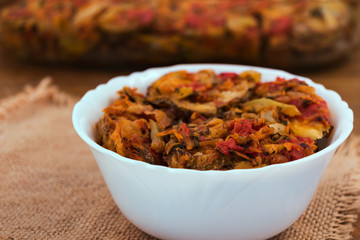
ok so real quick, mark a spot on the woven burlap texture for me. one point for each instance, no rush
(51, 187)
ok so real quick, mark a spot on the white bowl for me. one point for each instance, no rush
(173, 203)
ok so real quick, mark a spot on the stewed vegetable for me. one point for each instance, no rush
(210, 121)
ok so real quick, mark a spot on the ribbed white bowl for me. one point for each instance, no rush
(189, 204)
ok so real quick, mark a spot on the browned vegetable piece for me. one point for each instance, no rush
(204, 92)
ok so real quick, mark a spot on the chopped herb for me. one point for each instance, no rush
(196, 142)
(317, 12)
(275, 136)
(304, 145)
(306, 103)
(131, 98)
(207, 132)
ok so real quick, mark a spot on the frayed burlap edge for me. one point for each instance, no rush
(44, 92)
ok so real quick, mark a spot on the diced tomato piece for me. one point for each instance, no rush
(196, 86)
(142, 16)
(229, 145)
(297, 152)
(242, 127)
(281, 25)
(184, 130)
(314, 110)
(228, 75)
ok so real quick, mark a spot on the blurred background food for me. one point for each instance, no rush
(277, 33)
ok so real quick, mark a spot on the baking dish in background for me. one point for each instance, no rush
(278, 33)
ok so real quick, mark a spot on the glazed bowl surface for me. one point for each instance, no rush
(171, 203)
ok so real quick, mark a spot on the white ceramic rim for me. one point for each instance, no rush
(348, 119)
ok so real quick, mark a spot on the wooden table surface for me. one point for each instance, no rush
(344, 78)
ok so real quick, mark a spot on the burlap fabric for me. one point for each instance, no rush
(51, 188)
